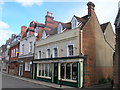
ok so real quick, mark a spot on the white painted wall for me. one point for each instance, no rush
(26, 41)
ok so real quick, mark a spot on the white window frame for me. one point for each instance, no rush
(43, 68)
(23, 45)
(74, 23)
(68, 50)
(16, 52)
(64, 79)
(27, 66)
(44, 35)
(47, 56)
(60, 28)
(39, 54)
(30, 46)
(54, 51)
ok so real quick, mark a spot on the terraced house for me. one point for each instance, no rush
(78, 53)
(29, 35)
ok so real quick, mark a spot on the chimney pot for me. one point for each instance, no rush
(49, 14)
(90, 8)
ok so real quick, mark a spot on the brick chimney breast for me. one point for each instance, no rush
(90, 8)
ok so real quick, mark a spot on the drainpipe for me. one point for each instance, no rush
(81, 41)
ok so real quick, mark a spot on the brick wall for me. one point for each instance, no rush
(27, 74)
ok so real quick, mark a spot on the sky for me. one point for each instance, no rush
(16, 13)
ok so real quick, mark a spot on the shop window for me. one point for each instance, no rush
(42, 70)
(45, 70)
(74, 71)
(68, 71)
(50, 70)
(40, 67)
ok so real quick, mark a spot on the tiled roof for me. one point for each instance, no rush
(103, 26)
(83, 20)
(66, 25)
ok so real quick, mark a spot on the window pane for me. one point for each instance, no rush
(48, 53)
(46, 69)
(42, 69)
(68, 71)
(70, 47)
(55, 52)
(39, 54)
(62, 70)
(74, 71)
(50, 70)
(39, 69)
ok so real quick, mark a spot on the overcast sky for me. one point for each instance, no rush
(15, 13)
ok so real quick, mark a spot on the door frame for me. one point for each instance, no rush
(20, 73)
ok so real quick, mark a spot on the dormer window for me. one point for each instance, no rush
(60, 28)
(44, 35)
(74, 23)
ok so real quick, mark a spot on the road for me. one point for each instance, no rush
(12, 82)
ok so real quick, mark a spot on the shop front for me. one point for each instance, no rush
(63, 71)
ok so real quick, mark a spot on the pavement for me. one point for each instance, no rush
(57, 86)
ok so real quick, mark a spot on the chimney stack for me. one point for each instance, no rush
(90, 8)
(23, 29)
(49, 19)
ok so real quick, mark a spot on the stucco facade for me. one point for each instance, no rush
(26, 56)
(61, 41)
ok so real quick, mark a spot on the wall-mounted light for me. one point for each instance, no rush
(61, 49)
(75, 47)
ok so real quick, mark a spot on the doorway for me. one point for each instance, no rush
(20, 69)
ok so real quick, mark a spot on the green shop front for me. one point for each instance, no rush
(63, 71)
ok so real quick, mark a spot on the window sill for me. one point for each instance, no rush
(44, 77)
(27, 70)
(69, 80)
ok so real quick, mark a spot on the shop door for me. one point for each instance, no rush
(56, 73)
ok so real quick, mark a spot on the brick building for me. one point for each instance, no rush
(84, 42)
(14, 53)
(117, 52)
(27, 42)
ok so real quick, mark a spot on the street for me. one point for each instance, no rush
(11, 82)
